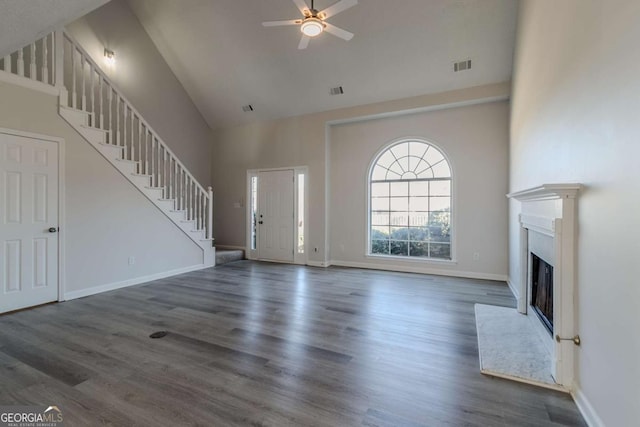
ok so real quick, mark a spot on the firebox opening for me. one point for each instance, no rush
(542, 290)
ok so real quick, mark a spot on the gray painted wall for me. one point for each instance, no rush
(576, 99)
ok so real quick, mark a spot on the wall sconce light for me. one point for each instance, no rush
(109, 57)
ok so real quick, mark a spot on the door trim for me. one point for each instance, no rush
(61, 199)
(298, 258)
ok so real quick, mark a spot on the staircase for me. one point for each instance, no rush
(99, 112)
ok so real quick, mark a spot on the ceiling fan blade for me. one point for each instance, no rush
(336, 8)
(281, 23)
(338, 32)
(302, 6)
(304, 42)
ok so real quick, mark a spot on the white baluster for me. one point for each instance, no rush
(45, 59)
(21, 62)
(74, 90)
(58, 64)
(131, 119)
(146, 151)
(110, 101)
(117, 138)
(139, 145)
(175, 180)
(100, 102)
(33, 74)
(82, 84)
(157, 162)
(7, 64)
(210, 213)
(92, 97)
(165, 172)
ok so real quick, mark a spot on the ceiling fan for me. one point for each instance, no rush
(314, 22)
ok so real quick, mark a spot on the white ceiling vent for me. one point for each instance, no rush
(336, 90)
(247, 108)
(462, 65)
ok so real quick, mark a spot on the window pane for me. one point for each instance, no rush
(399, 219)
(399, 203)
(380, 189)
(425, 171)
(433, 156)
(401, 150)
(440, 204)
(441, 170)
(399, 248)
(386, 159)
(398, 233)
(419, 249)
(380, 247)
(419, 219)
(440, 188)
(418, 234)
(379, 232)
(379, 173)
(417, 149)
(396, 170)
(419, 204)
(400, 189)
(419, 188)
(379, 218)
(440, 250)
(380, 204)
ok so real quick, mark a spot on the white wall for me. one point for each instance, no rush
(576, 98)
(302, 141)
(107, 218)
(147, 82)
(475, 140)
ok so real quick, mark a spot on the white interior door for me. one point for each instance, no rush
(275, 215)
(28, 209)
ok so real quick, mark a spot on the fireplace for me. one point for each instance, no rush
(542, 290)
(546, 281)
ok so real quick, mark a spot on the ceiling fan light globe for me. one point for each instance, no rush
(312, 27)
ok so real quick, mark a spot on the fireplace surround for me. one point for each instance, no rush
(548, 229)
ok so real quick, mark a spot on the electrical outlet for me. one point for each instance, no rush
(132, 260)
(476, 256)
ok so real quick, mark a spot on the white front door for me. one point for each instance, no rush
(28, 210)
(275, 215)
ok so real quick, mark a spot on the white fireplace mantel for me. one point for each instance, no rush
(551, 210)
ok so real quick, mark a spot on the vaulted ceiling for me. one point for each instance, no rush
(23, 21)
(225, 58)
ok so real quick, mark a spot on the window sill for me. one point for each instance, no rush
(413, 259)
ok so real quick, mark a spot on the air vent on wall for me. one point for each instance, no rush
(336, 90)
(247, 108)
(462, 65)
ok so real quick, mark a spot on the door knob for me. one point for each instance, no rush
(53, 230)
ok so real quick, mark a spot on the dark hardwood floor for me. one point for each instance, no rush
(266, 344)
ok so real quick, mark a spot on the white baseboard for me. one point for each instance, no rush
(318, 264)
(126, 283)
(588, 412)
(513, 288)
(422, 270)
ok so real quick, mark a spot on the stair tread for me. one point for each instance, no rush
(127, 161)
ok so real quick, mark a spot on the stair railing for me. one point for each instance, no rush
(34, 61)
(89, 89)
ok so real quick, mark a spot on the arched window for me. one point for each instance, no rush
(410, 202)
